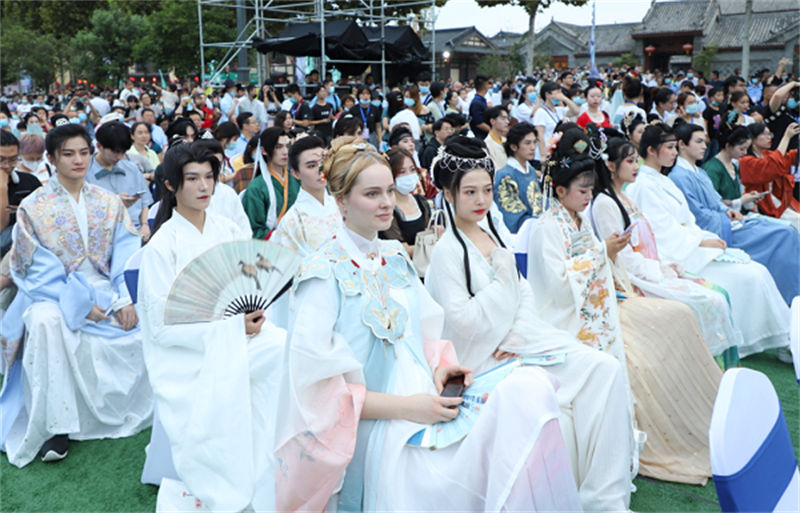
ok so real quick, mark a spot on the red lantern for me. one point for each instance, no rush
(649, 49)
(197, 79)
(687, 48)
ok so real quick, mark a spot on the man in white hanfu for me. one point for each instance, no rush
(215, 383)
(314, 217)
(83, 372)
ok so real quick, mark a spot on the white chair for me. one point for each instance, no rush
(131, 274)
(521, 245)
(752, 457)
(795, 337)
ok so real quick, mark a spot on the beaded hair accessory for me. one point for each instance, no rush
(453, 163)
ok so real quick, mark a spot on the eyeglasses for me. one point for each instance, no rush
(9, 161)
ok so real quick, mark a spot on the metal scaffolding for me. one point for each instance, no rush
(367, 13)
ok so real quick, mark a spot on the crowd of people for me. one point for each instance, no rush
(620, 239)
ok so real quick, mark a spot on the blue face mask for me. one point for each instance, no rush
(363, 102)
(293, 100)
(667, 81)
(410, 102)
(692, 109)
(754, 81)
(82, 116)
(376, 103)
(230, 146)
(690, 75)
(532, 97)
(3, 122)
(579, 101)
(75, 121)
(555, 101)
(792, 103)
(332, 90)
(15, 117)
(715, 103)
(424, 89)
(35, 129)
(24, 100)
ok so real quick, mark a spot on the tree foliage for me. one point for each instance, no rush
(626, 59)
(704, 59)
(531, 7)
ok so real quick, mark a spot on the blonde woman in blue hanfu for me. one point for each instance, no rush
(490, 317)
(673, 377)
(214, 382)
(364, 369)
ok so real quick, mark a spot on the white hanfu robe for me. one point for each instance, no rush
(501, 315)
(80, 378)
(655, 278)
(759, 310)
(214, 386)
(308, 223)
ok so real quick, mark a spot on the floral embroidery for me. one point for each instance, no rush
(47, 219)
(585, 270)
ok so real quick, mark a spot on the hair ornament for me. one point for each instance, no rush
(452, 163)
(579, 146)
(552, 143)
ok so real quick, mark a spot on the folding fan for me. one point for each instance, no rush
(232, 278)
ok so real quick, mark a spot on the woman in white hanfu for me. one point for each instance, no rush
(490, 317)
(759, 310)
(313, 218)
(673, 377)
(612, 211)
(364, 369)
(214, 382)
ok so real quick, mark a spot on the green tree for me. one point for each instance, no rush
(106, 48)
(27, 52)
(704, 59)
(531, 7)
(626, 59)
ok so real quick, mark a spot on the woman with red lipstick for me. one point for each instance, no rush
(365, 368)
(490, 317)
(672, 375)
(211, 380)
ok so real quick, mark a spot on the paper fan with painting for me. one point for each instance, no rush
(229, 279)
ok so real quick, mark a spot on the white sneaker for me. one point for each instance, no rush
(785, 355)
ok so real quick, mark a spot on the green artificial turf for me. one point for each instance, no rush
(103, 475)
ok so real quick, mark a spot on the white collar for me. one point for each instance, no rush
(513, 162)
(682, 162)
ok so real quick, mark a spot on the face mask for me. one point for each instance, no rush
(82, 116)
(532, 97)
(74, 121)
(293, 100)
(424, 89)
(33, 165)
(3, 123)
(667, 81)
(254, 156)
(410, 102)
(230, 146)
(24, 101)
(497, 86)
(579, 101)
(792, 103)
(555, 101)
(406, 183)
(332, 90)
(715, 103)
(35, 129)
(692, 109)
(363, 102)
(15, 117)
(519, 85)
(376, 103)
(690, 75)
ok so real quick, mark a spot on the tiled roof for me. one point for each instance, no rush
(614, 38)
(676, 16)
(729, 30)
(737, 6)
(450, 39)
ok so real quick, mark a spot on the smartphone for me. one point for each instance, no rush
(454, 386)
(138, 194)
(761, 195)
(629, 229)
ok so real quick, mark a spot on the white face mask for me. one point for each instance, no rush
(33, 165)
(407, 183)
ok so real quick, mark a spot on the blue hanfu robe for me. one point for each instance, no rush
(775, 245)
(517, 194)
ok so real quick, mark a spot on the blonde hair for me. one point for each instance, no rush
(347, 158)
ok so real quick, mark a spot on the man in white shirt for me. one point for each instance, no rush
(498, 120)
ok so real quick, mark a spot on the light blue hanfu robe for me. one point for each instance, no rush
(89, 377)
(771, 243)
(517, 194)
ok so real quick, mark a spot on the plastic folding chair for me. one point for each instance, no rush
(131, 274)
(752, 458)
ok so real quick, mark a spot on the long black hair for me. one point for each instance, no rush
(618, 149)
(174, 162)
(462, 155)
